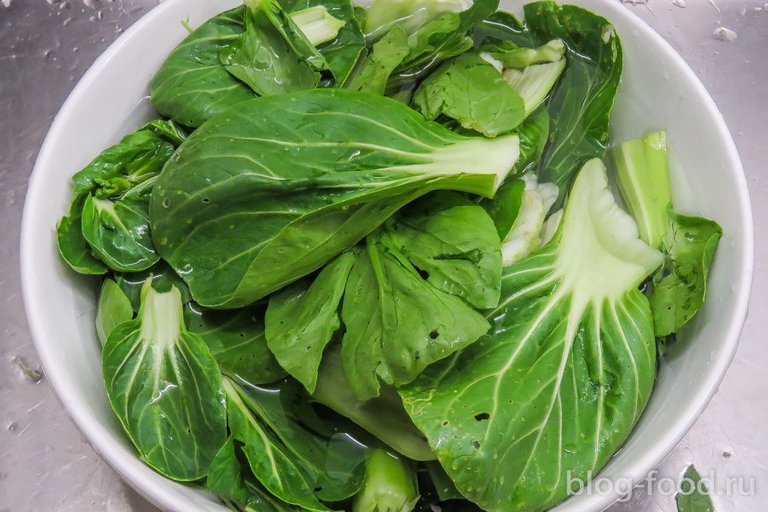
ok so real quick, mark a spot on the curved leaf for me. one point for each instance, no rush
(581, 103)
(113, 308)
(165, 387)
(473, 92)
(680, 287)
(118, 230)
(191, 86)
(73, 247)
(301, 320)
(397, 324)
(303, 177)
(557, 385)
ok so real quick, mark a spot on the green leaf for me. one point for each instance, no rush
(580, 105)
(681, 286)
(442, 38)
(473, 92)
(230, 478)
(454, 242)
(446, 489)
(302, 318)
(502, 29)
(118, 230)
(295, 464)
(73, 247)
(382, 15)
(383, 416)
(168, 130)
(694, 494)
(113, 308)
(303, 177)
(236, 339)
(192, 86)
(137, 157)
(397, 324)
(557, 385)
(264, 58)
(533, 135)
(165, 387)
(343, 51)
(162, 277)
(374, 69)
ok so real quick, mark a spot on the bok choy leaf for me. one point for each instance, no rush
(303, 177)
(565, 372)
(165, 387)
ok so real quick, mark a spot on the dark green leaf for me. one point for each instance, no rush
(680, 287)
(446, 489)
(272, 190)
(454, 244)
(168, 130)
(557, 385)
(236, 339)
(113, 308)
(263, 58)
(442, 38)
(165, 387)
(375, 68)
(694, 494)
(473, 92)
(73, 247)
(343, 52)
(580, 106)
(191, 86)
(137, 157)
(163, 279)
(118, 230)
(295, 464)
(500, 29)
(231, 478)
(302, 318)
(397, 324)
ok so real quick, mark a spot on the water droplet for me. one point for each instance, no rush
(6, 3)
(679, 3)
(724, 34)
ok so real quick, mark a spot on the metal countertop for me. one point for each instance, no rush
(45, 47)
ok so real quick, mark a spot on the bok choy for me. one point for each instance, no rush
(370, 259)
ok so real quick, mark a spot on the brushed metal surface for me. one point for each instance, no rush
(45, 47)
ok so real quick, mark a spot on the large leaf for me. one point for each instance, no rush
(118, 230)
(270, 191)
(191, 86)
(680, 288)
(581, 104)
(565, 372)
(165, 387)
(302, 318)
(473, 92)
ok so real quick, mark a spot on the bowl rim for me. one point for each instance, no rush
(98, 436)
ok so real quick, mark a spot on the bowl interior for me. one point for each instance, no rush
(658, 92)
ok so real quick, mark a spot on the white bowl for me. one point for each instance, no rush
(659, 91)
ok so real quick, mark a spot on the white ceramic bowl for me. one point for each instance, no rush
(659, 91)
